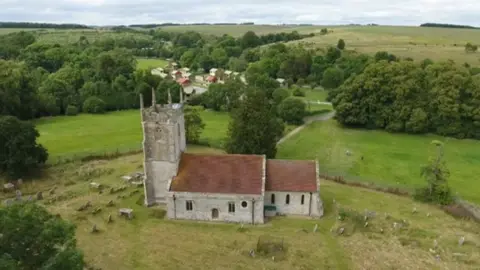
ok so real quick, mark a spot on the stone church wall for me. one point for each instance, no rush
(312, 205)
(203, 205)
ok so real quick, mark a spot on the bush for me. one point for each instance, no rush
(71, 110)
(297, 92)
(440, 194)
(301, 81)
(94, 105)
(292, 110)
(19, 151)
(280, 94)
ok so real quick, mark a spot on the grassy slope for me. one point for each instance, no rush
(236, 30)
(66, 137)
(389, 159)
(149, 63)
(416, 42)
(150, 243)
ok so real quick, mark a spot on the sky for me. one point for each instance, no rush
(322, 12)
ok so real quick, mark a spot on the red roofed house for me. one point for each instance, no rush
(211, 79)
(183, 81)
(229, 188)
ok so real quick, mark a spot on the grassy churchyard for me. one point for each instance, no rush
(149, 241)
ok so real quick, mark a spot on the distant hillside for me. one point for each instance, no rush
(41, 25)
(444, 25)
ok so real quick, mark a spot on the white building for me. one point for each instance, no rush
(229, 188)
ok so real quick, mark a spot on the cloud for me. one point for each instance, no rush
(109, 12)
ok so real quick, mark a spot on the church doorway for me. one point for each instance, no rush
(214, 213)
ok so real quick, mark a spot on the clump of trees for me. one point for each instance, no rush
(19, 151)
(193, 124)
(32, 238)
(407, 97)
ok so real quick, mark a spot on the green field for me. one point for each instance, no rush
(149, 63)
(70, 137)
(148, 242)
(388, 159)
(4, 31)
(415, 42)
(239, 30)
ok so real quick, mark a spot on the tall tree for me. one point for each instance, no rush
(193, 124)
(19, 151)
(32, 238)
(254, 129)
(341, 44)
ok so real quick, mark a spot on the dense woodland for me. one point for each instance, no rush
(445, 25)
(42, 25)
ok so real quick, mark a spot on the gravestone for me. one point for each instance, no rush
(315, 228)
(94, 228)
(18, 195)
(137, 183)
(8, 187)
(461, 241)
(52, 191)
(19, 182)
(30, 198)
(126, 212)
(39, 196)
(8, 202)
(96, 210)
(110, 203)
(95, 185)
(127, 178)
(110, 219)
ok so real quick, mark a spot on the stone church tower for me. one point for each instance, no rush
(163, 144)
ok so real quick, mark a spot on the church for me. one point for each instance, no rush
(229, 187)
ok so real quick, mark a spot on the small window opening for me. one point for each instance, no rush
(273, 199)
(189, 205)
(303, 199)
(287, 199)
(231, 207)
(244, 204)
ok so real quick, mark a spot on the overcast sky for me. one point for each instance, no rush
(326, 12)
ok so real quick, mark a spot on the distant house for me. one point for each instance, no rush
(199, 78)
(227, 74)
(184, 81)
(281, 82)
(211, 79)
(159, 72)
(176, 74)
(185, 70)
(213, 71)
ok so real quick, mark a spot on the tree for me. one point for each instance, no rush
(19, 151)
(219, 56)
(253, 128)
(250, 40)
(332, 54)
(193, 124)
(341, 44)
(436, 175)
(292, 110)
(332, 78)
(94, 105)
(280, 94)
(470, 48)
(32, 238)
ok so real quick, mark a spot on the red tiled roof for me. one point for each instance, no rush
(237, 174)
(211, 78)
(183, 81)
(291, 175)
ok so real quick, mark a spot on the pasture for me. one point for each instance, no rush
(237, 30)
(150, 63)
(4, 31)
(388, 159)
(151, 242)
(86, 134)
(438, 44)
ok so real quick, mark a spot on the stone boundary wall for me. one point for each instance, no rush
(473, 209)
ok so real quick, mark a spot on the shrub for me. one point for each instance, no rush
(301, 81)
(94, 105)
(292, 110)
(71, 110)
(297, 92)
(280, 94)
(440, 194)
